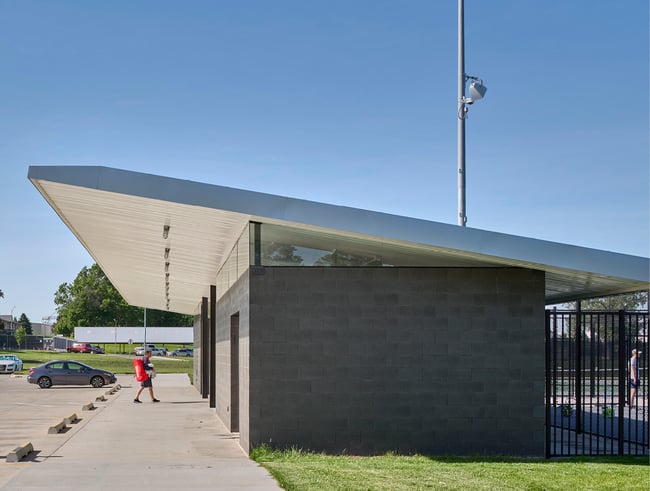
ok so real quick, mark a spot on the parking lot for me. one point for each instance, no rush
(27, 412)
(177, 444)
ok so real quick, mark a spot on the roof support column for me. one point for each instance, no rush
(213, 346)
(205, 349)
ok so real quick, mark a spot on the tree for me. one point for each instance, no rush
(628, 302)
(338, 258)
(274, 253)
(2, 295)
(21, 335)
(92, 300)
(613, 303)
(25, 322)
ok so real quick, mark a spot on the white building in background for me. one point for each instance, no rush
(134, 335)
(9, 325)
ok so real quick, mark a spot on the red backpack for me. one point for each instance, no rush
(140, 373)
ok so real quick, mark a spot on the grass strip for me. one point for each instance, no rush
(298, 470)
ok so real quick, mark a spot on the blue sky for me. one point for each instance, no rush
(349, 102)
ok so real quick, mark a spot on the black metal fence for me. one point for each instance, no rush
(588, 408)
(33, 342)
(9, 342)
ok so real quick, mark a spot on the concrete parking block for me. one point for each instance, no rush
(58, 427)
(19, 453)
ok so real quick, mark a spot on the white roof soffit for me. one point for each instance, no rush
(119, 217)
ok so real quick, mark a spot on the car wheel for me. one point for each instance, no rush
(45, 382)
(97, 382)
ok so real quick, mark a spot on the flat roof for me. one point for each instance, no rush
(119, 216)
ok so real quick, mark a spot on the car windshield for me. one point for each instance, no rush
(7, 357)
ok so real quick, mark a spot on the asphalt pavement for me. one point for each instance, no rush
(178, 443)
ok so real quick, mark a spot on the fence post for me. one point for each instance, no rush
(622, 388)
(547, 415)
(578, 367)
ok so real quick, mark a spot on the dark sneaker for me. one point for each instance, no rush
(154, 400)
(137, 401)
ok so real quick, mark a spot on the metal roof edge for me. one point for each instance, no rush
(352, 220)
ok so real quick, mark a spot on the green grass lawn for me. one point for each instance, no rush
(119, 364)
(297, 470)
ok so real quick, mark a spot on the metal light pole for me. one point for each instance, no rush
(462, 217)
(477, 91)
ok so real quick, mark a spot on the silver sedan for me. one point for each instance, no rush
(68, 372)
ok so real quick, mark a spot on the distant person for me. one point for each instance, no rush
(634, 375)
(148, 366)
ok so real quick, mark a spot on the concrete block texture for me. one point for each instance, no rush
(369, 360)
(233, 409)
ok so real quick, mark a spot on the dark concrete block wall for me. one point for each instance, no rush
(234, 301)
(368, 360)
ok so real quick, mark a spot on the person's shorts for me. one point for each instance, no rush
(146, 383)
(633, 385)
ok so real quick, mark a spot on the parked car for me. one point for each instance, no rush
(69, 372)
(155, 350)
(80, 348)
(148, 346)
(96, 349)
(10, 364)
(182, 352)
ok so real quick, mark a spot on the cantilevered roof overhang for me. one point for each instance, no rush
(120, 217)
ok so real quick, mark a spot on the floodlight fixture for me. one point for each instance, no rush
(476, 90)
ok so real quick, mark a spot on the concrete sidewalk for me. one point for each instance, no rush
(176, 444)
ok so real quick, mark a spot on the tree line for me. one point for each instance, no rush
(613, 303)
(92, 300)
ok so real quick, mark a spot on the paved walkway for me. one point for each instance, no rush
(176, 444)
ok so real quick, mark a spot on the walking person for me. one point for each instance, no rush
(147, 382)
(633, 368)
